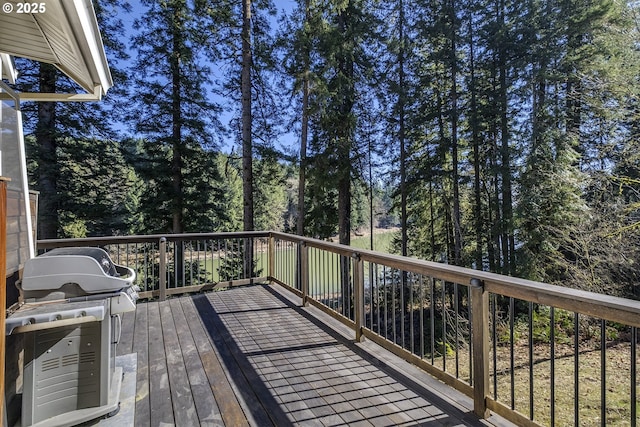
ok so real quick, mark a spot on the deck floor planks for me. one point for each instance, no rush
(208, 413)
(159, 388)
(225, 396)
(252, 406)
(252, 356)
(140, 345)
(184, 408)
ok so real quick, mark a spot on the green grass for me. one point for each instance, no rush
(322, 269)
(381, 241)
(212, 266)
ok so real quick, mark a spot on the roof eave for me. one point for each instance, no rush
(66, 35)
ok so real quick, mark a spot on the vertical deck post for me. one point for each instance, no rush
(480, 343)
(358, 294)
(304, 272)
(163, 269)
(271, 268)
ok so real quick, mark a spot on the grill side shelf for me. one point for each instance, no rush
(47, 316)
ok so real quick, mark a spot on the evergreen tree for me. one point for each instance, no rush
(270, 195)
(229, 205)
(568, 93)
(172, 109)
(296, 40)
(340, 66)
(97, 183)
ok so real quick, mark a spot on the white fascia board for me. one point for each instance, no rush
(92, 41)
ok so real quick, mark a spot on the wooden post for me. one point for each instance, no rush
(304, 272)
(358, 294)
(163, 269)
(480, 343)
(272, 258)
(3, 287)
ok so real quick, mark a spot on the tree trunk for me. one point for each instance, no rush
(176, 131)
(176, 140)
(48, 169)
(345, 133)
(475, 139)
(247, 146)
(508, 239)
(406, 291)
(304, 125)
(442, 134)
(457, 231)
(401, 132)
(345, 141)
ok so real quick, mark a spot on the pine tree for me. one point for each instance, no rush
(297, 51)
(171, 107)
(97, 183)
(270, 193)
(570, 85)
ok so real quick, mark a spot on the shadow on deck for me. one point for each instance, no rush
(252, 356)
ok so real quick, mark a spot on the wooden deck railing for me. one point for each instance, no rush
(534, 353)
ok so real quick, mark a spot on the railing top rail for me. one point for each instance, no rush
(602, 306)
(88, 241)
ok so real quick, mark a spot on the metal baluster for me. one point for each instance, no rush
(324, 276)
(373, 300)
(432, 311)
(576, 369)
(634, 339)
(402, 277)
(393, 304)
(470, 335)
(531, 409)
(444, 326)
(386, 308)
(191, 265)
(511, 351)
(377, 281)
(291, 261)
(494, 339)
(421, 316)
(411, 305)
(552, 337)
(457, 328)
(603, 372)
(470, 311)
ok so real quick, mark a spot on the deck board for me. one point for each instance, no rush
(184, 408)
(203, 399)
(159, 388)
(226, 401)
(140, 346)
(252, 356)
(252, 408)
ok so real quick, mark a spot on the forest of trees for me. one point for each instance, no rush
(498, 135)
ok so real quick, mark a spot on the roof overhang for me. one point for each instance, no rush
(60, 32)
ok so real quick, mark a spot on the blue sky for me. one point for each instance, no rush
(282, 6)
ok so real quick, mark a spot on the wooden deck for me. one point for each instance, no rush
(252, 356)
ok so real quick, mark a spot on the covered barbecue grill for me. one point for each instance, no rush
(72, 301)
